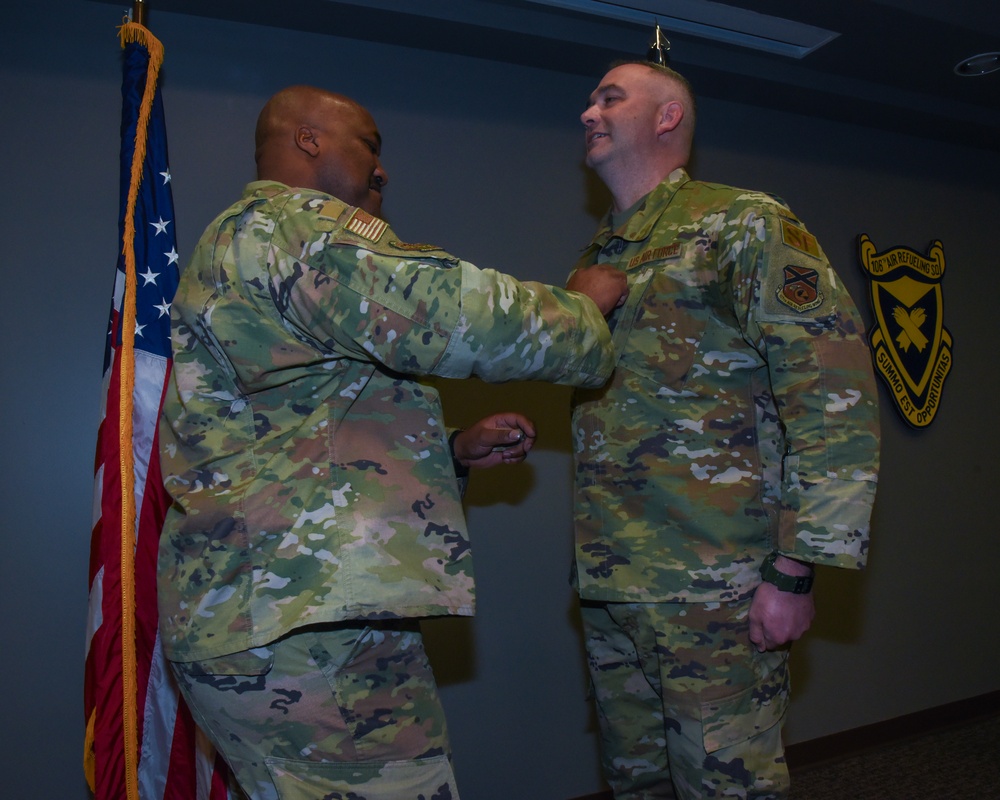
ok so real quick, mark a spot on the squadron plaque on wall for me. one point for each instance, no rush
(910, 346)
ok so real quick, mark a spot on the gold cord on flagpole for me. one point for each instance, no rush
(132, 32)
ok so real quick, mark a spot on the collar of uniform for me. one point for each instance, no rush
(265, 188)
(639, 226)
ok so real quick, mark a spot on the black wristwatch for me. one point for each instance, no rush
(801, 584)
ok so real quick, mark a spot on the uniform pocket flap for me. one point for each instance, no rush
(730, 720)
(372, 780)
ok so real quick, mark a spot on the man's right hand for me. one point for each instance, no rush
(602, 283)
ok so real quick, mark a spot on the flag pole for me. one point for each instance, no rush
(139, 12)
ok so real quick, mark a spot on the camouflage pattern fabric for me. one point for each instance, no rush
(344, 712)
(310, 471)
(687, 707)
(742, 416)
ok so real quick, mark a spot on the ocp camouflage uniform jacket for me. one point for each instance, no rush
(311, 477)
(742, 416)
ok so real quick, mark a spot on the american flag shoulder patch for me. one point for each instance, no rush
(366, 226)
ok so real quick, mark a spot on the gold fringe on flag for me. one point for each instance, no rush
(130, 32)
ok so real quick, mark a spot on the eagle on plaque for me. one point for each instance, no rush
(910, 346)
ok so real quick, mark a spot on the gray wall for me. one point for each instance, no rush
(485, 160)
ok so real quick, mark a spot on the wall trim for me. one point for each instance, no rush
(869, 737)
(891, 731)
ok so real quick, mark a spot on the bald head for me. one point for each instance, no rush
(314, 139)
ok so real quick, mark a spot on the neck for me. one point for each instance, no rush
(637, 175)
(626, 197)
(628, 186)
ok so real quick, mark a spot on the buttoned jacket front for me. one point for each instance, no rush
(742, 415)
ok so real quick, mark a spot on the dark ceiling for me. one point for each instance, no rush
(891, 66)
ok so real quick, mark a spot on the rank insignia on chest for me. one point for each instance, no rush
(615, 247)
(366, 226)
(800, 290)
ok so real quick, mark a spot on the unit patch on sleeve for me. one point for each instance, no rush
(797, 282)
(800, 290)
(366, 226)
(911, 347)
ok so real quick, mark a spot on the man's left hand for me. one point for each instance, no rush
(777, 617)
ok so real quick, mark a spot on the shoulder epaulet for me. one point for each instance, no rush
(332, 208)
(371, 228)
(416, 247)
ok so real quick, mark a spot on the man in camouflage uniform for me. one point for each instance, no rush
(316, 512)
(735, 446)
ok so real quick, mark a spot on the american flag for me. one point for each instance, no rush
(141, 741)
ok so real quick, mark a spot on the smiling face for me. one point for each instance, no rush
(620, 119)
(638, 128)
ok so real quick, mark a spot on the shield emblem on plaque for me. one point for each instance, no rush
(910, 345)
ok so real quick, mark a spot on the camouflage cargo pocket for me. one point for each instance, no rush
(258, 661)
(429, 778)
(730, 720)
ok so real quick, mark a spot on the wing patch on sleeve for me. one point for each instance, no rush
(800, 290)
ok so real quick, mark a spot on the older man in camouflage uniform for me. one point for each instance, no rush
(316, 509)
(735, 447)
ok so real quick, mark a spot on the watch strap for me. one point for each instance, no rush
(796, 584)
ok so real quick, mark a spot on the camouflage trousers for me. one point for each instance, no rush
(687, 706)
(339, 712)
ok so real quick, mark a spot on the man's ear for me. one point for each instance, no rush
(305, 140)
(670, 117)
